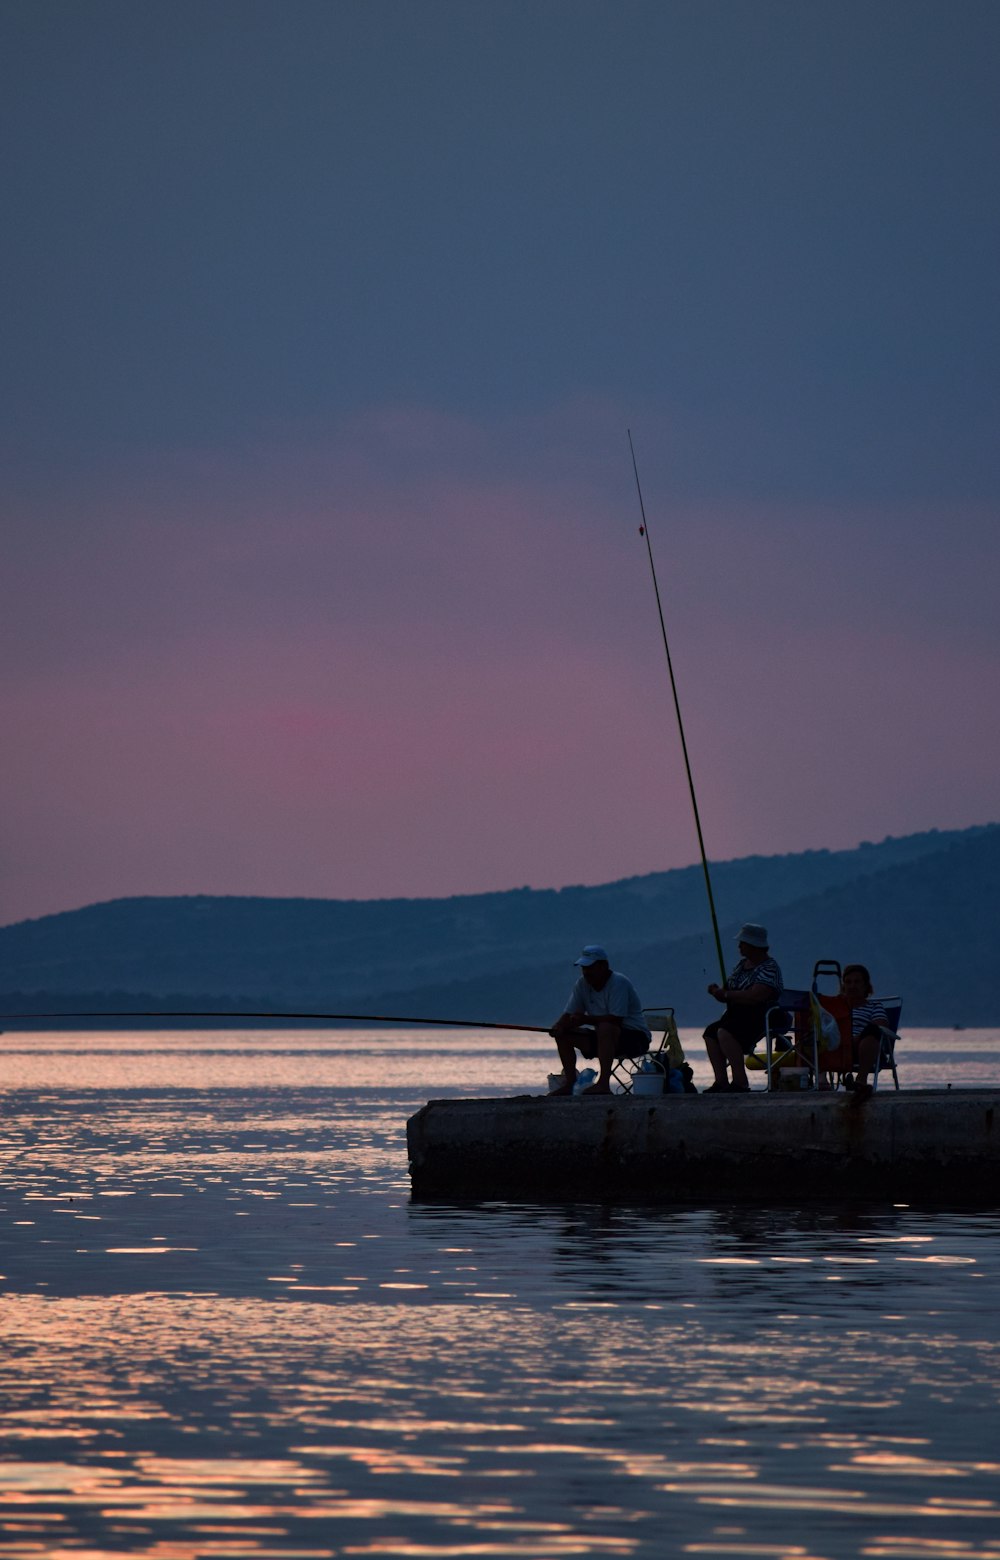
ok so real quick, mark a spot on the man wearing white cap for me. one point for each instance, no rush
(751, 988)
(603, 1018)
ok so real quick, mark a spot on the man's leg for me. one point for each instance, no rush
(567, 1055)
(607, 1049)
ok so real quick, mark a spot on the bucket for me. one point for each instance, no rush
(794, 1078)
(647, 1083)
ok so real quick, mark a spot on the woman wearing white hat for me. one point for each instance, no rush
(751, 988)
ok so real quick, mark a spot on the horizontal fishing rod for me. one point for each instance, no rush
(364, 1018)
(644, 531)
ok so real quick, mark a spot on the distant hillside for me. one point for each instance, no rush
(920, 910)
(926, 928)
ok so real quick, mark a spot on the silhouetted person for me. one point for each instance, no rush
(867, 1019)
(603, 1018)
(752, 987)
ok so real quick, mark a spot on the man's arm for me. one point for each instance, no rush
(570, 1021)
(567, 1021)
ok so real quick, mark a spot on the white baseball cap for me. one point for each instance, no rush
(592, 954)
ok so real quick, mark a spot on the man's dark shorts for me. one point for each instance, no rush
(745, 1024)
(631, 1042)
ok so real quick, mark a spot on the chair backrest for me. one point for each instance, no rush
(662, 1018)
(789, 1004)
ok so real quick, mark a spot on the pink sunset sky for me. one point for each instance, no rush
(324, 326)
(397, 660)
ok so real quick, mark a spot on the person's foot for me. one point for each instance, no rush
(597, 1088)
(720, 1086)
(739, 1088)
(862, 1092)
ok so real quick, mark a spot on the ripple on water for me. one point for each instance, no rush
(228, 1333)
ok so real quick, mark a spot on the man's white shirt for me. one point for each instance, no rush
(617, 999)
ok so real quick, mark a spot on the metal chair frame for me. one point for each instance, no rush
(789, 1001)
(626, 1067)
(886, 1057)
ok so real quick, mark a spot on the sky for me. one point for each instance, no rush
(324, 323)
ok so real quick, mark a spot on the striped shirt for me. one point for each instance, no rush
(746, 975)
(869, 1012)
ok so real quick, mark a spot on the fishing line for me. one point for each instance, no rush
(644, 531)
(362, 1018)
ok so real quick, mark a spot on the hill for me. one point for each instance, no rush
(926, 928)
(919, 910)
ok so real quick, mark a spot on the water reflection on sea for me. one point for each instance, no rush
(228, 1332)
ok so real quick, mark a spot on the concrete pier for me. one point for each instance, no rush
(940, 1146)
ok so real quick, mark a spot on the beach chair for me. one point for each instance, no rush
(666, 1051)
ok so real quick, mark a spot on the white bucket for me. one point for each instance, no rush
(647, 1083)
(794, 1077)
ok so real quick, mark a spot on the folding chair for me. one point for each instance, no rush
(791, 1004)
(667, 1052)
(842, 1062)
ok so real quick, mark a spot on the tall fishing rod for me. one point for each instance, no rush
(644, 531)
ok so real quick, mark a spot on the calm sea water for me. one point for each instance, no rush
(228, 1332)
